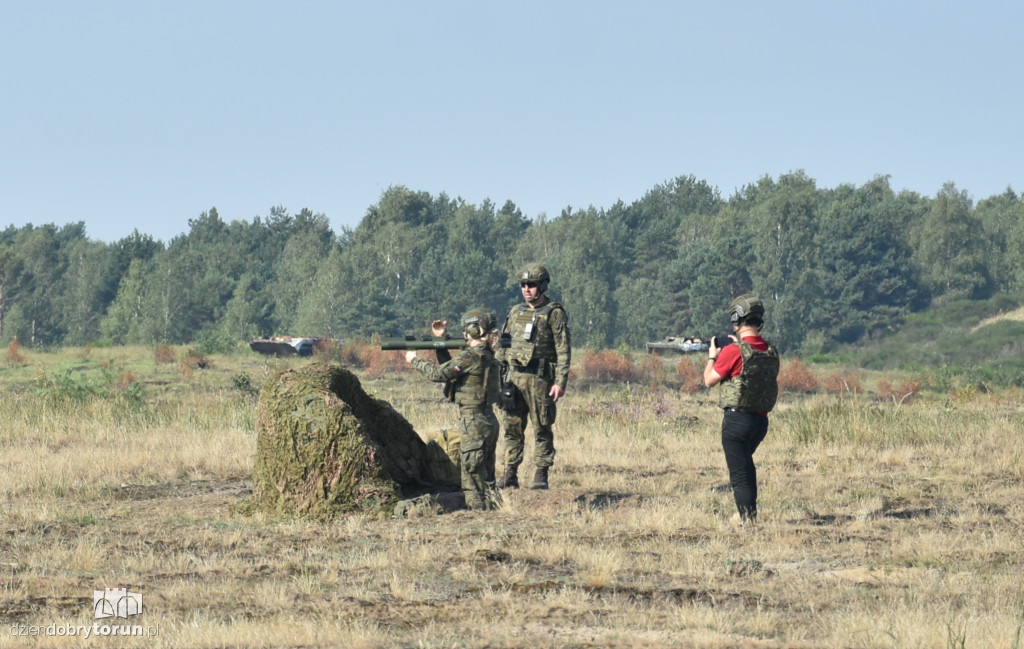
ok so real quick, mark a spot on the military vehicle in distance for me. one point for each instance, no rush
(285, 346)
(678, 345)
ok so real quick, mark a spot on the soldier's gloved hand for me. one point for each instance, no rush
(409, 355)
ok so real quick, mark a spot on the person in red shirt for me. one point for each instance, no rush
(746, 395)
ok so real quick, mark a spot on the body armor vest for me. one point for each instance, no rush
(756, 388)
(480, 384)
(531, 334)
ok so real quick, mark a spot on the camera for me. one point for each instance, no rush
(722, 340)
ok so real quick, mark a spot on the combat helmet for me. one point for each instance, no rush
(744, 306)
(478, 322)
(535, 273)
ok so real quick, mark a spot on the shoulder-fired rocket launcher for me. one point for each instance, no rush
(430, 342)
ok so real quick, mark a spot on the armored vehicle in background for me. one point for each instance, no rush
(673, 345)
(284, 346)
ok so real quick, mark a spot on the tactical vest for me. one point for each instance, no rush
(480, 385)
(531, 334)
(756, 389)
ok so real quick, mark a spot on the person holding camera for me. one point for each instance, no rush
(747, 375)
(472, 380)
(538, 370)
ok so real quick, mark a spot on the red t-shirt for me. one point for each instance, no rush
(730, 361)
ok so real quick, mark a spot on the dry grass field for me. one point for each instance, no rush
(884, 523)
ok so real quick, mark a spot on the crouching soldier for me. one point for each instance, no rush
(472, 380)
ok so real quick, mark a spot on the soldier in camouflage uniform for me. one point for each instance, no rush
(473, 381)
(538, 366)
(747, 373)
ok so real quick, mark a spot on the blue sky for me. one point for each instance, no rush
(142, 115)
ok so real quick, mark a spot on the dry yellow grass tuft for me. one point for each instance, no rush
(882, 525)
(1017, 315)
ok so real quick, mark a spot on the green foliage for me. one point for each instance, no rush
(70, 386)
(951, 340)
(841, 270)
(106, 383)
(950, 248)
(84, 288)
(216, 342)
(243, 383)
(584, 281)
(1003, 372)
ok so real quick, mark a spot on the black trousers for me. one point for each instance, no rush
(742, 433)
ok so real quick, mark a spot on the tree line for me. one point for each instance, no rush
(833, 265)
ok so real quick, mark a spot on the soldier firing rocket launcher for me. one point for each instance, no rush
(431, 342)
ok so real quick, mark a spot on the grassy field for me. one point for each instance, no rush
(884, 522)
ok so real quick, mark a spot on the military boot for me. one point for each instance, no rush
(540, 478)
(511, 478)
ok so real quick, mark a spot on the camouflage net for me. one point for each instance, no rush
(325, 447)
(442, 457)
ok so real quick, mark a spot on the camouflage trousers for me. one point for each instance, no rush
(537, 405)
(477, 457)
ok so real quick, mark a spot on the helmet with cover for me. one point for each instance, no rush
(744, 307)
(479, 322)
(535, 274)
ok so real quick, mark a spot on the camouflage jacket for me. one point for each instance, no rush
(473, 373)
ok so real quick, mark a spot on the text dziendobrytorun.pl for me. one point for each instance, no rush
(85, 630)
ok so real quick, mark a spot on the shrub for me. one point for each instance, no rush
(885, 390)
(909, 389)
(905, 393)
(795, 376)
(691, 379)
(216, 342)
(328, 350)
(192, 360)
(608, 365)
(14, 354)
(653, 370)
(843, 382)
(243, 382)
(163, 354)
(354, 353)
(379, 362)
(68, 386)
(368, 356)
(110, 383)
(125, 379)
(359, 353)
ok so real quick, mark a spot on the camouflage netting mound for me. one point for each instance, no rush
(325, 447)
(442, 457)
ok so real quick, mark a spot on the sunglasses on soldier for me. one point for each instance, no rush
(529, 284)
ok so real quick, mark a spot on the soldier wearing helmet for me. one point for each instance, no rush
(472, 380)
(747, 375)
(538, 368)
